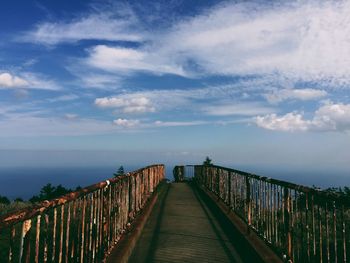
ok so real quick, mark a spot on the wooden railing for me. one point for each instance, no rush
(81, 226)
(301, 224)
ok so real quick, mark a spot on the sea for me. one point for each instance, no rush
(24, 182)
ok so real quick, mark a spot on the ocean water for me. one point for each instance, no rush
(26, 182)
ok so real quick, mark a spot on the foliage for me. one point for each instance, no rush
(47, 192)
(120, 172)
(13, 206)
(343, 192)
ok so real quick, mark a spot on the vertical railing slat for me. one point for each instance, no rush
(11, 245)
(37, 238)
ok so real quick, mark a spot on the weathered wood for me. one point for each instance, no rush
(91, 232)
(30, 212)
(301, 224)
(183, 229)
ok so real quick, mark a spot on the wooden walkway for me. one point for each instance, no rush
(181, 228)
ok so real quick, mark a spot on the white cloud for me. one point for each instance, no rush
(137, 104)
(304, 40)
(333, 117)
(329, 117)
(126, 123)
(8, 80)
(298, 94)
(124, 60)
(300, 40)
(96, 26)
(243, 109)
(27, 80)
(289, 122)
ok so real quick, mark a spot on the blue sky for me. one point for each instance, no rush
(249, 83)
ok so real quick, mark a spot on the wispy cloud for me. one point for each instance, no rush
(39, 81)
(295, 94)
(179, 123)
(329, 117)
(242, 109)
(32, 124)
(146, 124)
(225, 100)
(53, 126)
(300, 41)
(303, 40)
(100, 81)
(63, 98)
(117, 25)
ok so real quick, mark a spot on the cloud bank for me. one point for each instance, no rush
(306, 40)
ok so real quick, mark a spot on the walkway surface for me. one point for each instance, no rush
(182, 229)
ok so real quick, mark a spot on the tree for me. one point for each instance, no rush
(49, 192)
(207, 161)
(4, 200)
(120, 171)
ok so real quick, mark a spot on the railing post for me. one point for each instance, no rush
(24, 254)
(83, 230)
(287, 222)
(132, 197)
(229, 190)
(217, 182)
(213, 179)
(37, 238)
(12, 237)
(248, 200)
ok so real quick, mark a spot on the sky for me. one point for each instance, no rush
(261, 85)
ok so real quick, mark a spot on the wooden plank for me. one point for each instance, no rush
(185, 231)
